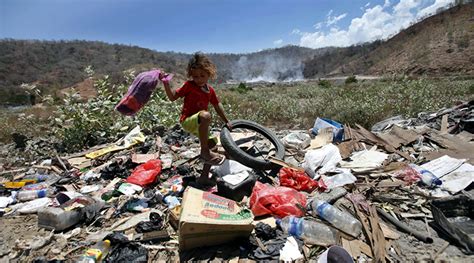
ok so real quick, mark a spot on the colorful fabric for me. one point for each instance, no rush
(195, 99)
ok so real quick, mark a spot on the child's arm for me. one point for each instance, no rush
(170, 93)
(220, 111)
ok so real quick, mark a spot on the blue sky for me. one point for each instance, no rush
(220, 26)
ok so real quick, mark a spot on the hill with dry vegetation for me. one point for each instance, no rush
(439, 45)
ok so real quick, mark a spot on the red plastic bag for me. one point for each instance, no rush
(278, 201)
(146, 173)
(297, 180)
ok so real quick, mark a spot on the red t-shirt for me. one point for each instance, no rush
(195, 99)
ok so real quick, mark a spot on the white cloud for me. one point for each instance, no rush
(318, 25)
(295, 31)
(432, 8)
(278, 42)
(377, 22)
(367, 5)
(331, 20)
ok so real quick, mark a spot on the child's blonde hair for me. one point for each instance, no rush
(201, 61)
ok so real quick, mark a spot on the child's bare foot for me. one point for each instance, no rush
(212, 158)
(212, 144)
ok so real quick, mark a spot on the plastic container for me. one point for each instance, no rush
(27, 195)
(58, 218)
(96, 253)
(236, 189)
(339, 219)
(311, 232)
(427, 177)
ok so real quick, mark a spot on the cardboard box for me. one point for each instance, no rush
(208, 219)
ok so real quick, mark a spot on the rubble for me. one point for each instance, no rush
(141, 194)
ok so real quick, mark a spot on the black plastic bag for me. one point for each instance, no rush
(127, 252)
(155, 223)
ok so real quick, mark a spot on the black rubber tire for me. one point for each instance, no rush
(244, 158)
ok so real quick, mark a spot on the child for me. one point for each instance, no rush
(195, 117)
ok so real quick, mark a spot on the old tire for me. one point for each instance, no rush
(244, 158)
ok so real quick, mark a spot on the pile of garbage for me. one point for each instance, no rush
(400, 192)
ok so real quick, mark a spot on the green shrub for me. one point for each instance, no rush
(324, 83)
(242, 88)
(350, 79)
(81, 125)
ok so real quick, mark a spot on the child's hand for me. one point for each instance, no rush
(229, 126)
(165, 77)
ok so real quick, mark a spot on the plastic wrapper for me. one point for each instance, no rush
(146, 173)
(155, 223)
(297, 180)
(278, 201)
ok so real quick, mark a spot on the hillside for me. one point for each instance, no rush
(439, 45)
(56, 65)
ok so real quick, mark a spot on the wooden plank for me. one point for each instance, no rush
(348, 147)
(381, 142)
(454, 147)
(378, 245)
(444, 124)
(351, 247)
(389, 232)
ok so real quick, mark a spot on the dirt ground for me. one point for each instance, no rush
(414, 250)
(19, 231)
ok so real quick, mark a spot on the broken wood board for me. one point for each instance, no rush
(356, 247)
(388, 232)
(387, 183)
(378, 245)
(444, 124)
(465, 136)
(398, 136)
(348, 147)
(417, 215)
(371, 137)
(80, 162)
(453, 146)
(283, 163)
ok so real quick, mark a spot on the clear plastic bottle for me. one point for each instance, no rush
(427, 177)
(27, 195)
(339, 219)
(312, 232)
(96, 253)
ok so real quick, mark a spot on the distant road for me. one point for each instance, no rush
(366, 77)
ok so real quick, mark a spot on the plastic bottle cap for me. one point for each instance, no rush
(278, 221)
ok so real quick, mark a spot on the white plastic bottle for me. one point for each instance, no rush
(427, 177)
(27, 195)
(96, 253)
(339, 219)
(312, 232)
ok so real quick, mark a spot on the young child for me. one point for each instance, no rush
(195, 117)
